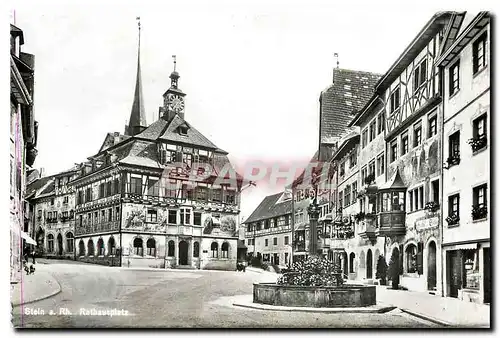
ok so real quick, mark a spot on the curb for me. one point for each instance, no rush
(263, 307)
(56, 292)
(428, 318)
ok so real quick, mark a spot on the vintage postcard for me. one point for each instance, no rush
(249, 166)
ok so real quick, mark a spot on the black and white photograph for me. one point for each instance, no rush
(250, 165)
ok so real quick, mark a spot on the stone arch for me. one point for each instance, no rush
(90, 247)
(100, 247)
(171, 248)
(214, 248)
(431, 267)
(111, 246)
(352, 260)
(50, 242)
(70, 241)
(225, 250)
(369, 264)
(81, 248)
(138, 245)
(151, 246)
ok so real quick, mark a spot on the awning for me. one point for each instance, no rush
(27, 238)
(466, 246)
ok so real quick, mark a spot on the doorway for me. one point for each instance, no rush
(369, 264)
(59, 245)
(454, 271)
(183, 253)
(431, 266)
(487, 275)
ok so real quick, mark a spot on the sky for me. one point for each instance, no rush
(252, 72)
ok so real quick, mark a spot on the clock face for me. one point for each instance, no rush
(176, 103)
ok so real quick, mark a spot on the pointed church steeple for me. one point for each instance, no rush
(137, 122)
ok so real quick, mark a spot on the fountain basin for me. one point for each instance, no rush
(347, 295)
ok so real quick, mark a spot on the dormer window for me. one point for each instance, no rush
(183, 130)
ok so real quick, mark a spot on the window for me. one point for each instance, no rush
(347, 196)
(417, 134)
(470, 266)
(187, 159)
(364, 173)
(432, 125)
(435, 191)
(103, 216)
(479, 140)
(341, 196)
(479, 53)
(266, 224)
(196, 249)
(52, 201)
(110, 215)
(230, 196)
(217, 195)
(96, 217)
(138, 249)
(136, 185)
(224, 250)
(153, 187)
(197, 218)
(109, 188)
(342, 168)
(352, 159)
(454, 147)
(287, 239)
(372, 130)
(201, 193)
(420, 75)
(65, 200)
(171, 249)
(453, 209)
(479, 209)
(117, 214)
(101, 190)
(416, 199)
(185, 216)
(380, 164)
(371, 168)
(392, 201)
(411, 258)
(454, 77)
(100, 247)
(266, 242)
(152, 216)
(111, 246)
(404, 143)
(380, 123)
(364, 138)
(50, 243)
(354, 192)
(395, 100)
(172, 216)
(394, 150)
(215, 250)
(151, 247)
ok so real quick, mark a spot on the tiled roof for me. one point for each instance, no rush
(142, 153)
(340, 101)
(49, 189)
(268, 208)
(154, 131)
(36, 185)
(193, 136)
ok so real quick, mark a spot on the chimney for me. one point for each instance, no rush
(116, 136)
(42, 172)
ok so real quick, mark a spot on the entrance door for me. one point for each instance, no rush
(431, 267)
(183, 253)
(487, 275)
(454, 267)
(369, 265)
(59, 245)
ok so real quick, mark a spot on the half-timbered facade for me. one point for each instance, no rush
(466, 151)
(160, 196)
(408, 202)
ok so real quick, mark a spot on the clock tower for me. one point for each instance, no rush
(173, 99)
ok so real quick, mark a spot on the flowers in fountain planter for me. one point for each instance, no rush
(314, 271)
(432, 206)
(453, 160)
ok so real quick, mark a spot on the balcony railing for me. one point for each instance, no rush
(479, 212)
(478, 143)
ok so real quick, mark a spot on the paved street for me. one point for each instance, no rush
(179, 298)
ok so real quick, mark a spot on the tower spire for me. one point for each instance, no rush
(137, 121)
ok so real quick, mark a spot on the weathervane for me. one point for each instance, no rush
(175, 61)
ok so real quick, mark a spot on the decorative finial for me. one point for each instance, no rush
(175, 61)
(336, 56)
